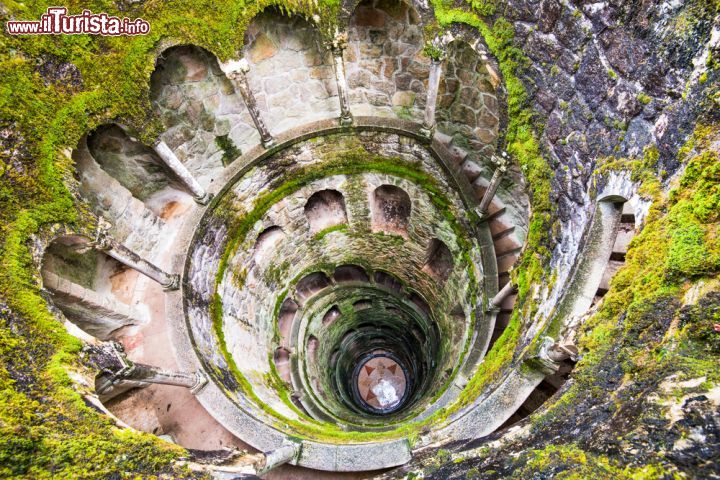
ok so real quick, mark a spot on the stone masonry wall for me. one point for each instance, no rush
(467, 103)
(386, 69)
(197, 105)
(291, 72)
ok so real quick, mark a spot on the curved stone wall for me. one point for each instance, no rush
(264, 270)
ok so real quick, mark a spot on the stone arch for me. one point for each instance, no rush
(206, 122)
(391, 208)
(325, 209)
(108, 155)
(81, 283)
(420, 303)
(439, 263)
(362, 304)
(267, 241)
(386, 69)
(310, 285)
(291, 72)
(281, 357)
(312, 348)
(350, 273)
(286, 317)
(388, 280)
(331, 315)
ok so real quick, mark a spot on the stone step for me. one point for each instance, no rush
(494, 213)
(505, 262)
(502, 233)
(506, 244)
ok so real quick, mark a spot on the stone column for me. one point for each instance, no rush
(236, 71)
(501, 167)
(111, 247)
(171, 160)
(501, 296)
(118, 372)
(337, 47)
(428, 127)
(277, 457)
(149, 374)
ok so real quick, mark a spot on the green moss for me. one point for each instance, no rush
(689, 254)
(230, 151)
(672, 247)
(571, 462)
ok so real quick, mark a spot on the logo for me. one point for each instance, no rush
(56, 21)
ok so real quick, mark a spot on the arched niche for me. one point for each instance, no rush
(331, 316)
(386, 70)
(206, 121)
(391, 208)
(89, 287)
(350, 273)
(311, 285)
(286, 316)
(440, 262)
(281, 358)
(267, 242)
(291, 72)
(388, 281)
(137, 169)
(325, 209)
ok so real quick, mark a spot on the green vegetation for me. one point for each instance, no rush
(230, 151)
(572, 462)
(45, 428)
(645, 298)
(644, 98)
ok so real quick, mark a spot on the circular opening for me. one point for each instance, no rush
(381, 384)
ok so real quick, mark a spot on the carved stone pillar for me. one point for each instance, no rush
(105, 243)
(119, 373)
(428, 127)
(171, 160)
(236, 71)
(501, 167)
(337, 47)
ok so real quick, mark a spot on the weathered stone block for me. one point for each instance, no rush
(262, 48)
(403, 99)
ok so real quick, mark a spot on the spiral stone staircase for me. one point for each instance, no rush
(315, 257)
